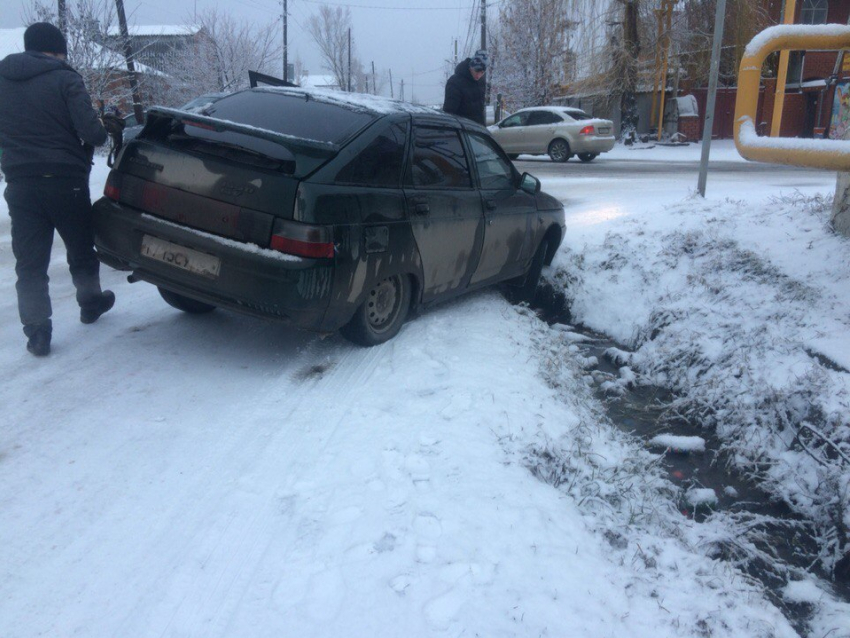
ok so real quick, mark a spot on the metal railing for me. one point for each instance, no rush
(814, 153)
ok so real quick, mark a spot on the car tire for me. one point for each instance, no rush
(186, 304)
(524, 289)
(513, 156)
(380, 317)
(559, 150)
(587, 157)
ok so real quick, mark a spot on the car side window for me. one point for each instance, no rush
(543, 117)
(379, 164)
(494, 170)
(518, 119)
(438, 159)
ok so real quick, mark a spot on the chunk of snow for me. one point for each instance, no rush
(730, 491)
(678, 443)
(701, 496)
(802, 591)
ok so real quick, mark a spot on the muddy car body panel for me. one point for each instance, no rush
(303, 223)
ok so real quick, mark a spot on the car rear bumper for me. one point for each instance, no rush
(251, 280)
(593, 144)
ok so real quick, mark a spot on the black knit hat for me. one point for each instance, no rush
(45, 38)
(479, 61)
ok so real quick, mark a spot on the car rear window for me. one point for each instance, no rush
(380, 163)
(293, 115)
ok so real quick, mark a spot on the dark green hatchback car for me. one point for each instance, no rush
(327, 210)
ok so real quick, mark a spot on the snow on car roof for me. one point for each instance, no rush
(359, 101)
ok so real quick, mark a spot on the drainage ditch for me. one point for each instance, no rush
(785, 545)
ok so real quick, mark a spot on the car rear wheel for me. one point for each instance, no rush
(186, 304)
(559, 150)
(587, 157)
(524, 289)
(381, 316)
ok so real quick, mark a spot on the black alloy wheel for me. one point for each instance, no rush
(381, 316)
(186, 304)
(559, 150)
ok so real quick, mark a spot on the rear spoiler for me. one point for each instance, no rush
(310, 148)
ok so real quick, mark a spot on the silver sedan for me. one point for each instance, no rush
(559, 131)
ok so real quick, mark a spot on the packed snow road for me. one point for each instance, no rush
(220, 476)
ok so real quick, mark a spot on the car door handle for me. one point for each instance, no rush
(420, 205)
(489, 204)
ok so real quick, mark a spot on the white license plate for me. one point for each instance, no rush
(604, 131)
(180, 256)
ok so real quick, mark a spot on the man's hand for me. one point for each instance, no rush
(113, 124)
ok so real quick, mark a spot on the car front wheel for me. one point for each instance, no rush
(587, 157)
(559, 150)
(381, 316)
(524, 289)
(186, 304)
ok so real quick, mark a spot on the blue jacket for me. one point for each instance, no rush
(465, 95)
(46, 118)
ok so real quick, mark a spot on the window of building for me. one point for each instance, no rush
(814, 12)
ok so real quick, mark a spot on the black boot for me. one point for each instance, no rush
(99, 305)
(39, 343)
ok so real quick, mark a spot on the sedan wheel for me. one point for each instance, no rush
(587, 157)
(559, 151)
(186, 304)
(381, 316)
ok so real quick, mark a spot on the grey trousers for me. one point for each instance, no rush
(38, 206)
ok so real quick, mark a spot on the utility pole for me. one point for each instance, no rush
(63, 18)
(455, 51)
(392, 91)
(484, 48)
(401, 93)
(483, 24)
(131, 66)
(349, 60)
(285, 47)
(712, 94)
(374, 83)
(628, 63)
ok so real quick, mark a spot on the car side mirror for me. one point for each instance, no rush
(530, 184)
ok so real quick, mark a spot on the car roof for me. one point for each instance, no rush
(375, 104)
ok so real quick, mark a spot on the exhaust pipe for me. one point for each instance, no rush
(131, 278)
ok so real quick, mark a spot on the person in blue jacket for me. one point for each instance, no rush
(48, 131)
(465, 89)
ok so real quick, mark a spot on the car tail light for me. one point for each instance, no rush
(303, 240)
(587, 130)
(112, 190)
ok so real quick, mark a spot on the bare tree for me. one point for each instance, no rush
(530, 50)
(87, 25)
(222, 52)
(330, 29)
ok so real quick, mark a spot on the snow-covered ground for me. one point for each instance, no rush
(217, 475)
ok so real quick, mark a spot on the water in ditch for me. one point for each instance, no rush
(783, 537)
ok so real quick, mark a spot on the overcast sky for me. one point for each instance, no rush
(413, 38)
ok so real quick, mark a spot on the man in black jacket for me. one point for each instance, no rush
(465, 89)
(48, 131)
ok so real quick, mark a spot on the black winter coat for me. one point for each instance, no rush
(465, 95)
(46, 116)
